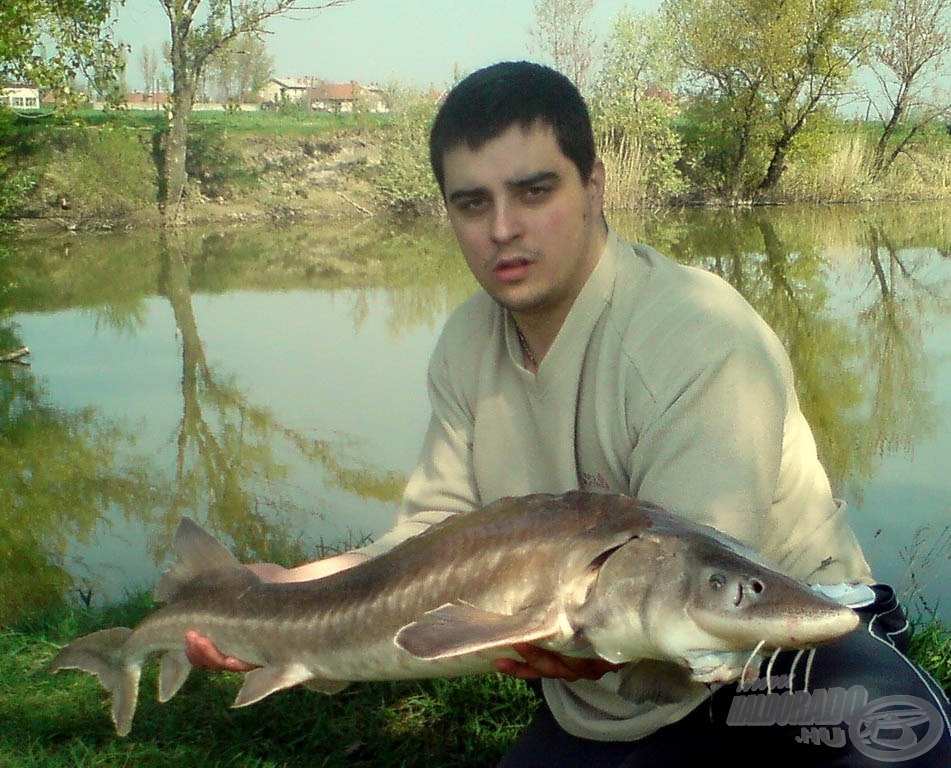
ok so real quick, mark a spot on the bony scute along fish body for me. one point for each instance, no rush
(594, 575)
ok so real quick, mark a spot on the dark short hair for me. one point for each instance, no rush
(490, 100)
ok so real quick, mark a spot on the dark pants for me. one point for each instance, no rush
(866, 705)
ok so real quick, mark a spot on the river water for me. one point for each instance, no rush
(270, 382)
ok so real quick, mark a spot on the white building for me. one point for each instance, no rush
(20, 96)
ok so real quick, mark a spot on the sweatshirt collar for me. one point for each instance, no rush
(572, 338)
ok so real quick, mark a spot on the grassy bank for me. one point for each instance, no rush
(59, 721)
(101, 171)
(96, 170)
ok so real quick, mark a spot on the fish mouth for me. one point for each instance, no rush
(716, 667)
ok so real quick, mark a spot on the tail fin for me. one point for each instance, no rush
(100, 654)
(198, 552)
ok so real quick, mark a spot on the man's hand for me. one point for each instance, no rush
(542, 663)
(204, 654)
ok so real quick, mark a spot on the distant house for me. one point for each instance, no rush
(322, 96)
(20, 96)
(146, 99)
(343, 98)
(281, 89)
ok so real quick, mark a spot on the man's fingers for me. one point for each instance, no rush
(517, 669)
(545, 663)
(204, 654)
(542, 663)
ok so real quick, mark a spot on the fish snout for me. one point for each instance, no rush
(746, 608)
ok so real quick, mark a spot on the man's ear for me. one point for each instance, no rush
(596, 182)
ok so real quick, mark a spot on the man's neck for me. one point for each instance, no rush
(538, 330)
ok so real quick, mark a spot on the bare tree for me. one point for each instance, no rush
(913, 50)
(149, 66)
(240, 69)
(198, 29)
(563, 33)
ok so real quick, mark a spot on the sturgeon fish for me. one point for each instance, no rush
(591, 575)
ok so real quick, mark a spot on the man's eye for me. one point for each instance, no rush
(537, 191)
(469, 204)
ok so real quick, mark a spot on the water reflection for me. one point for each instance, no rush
(270, 382)
(59, 471)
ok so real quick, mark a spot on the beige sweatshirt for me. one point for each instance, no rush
(664, 384)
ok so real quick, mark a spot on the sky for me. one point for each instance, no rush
(419, 43)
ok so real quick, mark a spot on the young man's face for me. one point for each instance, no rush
(530, 228)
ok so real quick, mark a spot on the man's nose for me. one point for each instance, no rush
(506, 225)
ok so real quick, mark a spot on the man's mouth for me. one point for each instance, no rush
(512, 270)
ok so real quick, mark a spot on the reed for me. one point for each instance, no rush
(842, 175)
(626, 185)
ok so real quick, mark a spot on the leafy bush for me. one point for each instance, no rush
(100, 175)
(640, 150)
(15, 183)
(718, 161)
(404, 181)
(214, 163)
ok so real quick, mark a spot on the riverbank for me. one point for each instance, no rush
(99, 171)
(102, 174)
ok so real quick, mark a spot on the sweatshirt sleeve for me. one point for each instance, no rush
(714, 447)
(715, 431)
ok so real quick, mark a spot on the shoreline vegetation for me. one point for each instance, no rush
(98, 170)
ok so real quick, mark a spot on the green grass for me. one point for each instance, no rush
(931, 648)
(63, 720)
(251, 121)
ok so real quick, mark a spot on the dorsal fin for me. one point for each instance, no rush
(198, 552)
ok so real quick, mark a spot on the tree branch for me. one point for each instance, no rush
(15, 356)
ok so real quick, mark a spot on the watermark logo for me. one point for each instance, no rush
(886, 729)
(889, 729)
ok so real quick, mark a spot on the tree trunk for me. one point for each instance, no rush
(184, 78)
(735, 181)
(878, 154)
(777, 164)
(174, 173)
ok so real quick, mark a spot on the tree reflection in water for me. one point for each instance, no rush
(855, 295)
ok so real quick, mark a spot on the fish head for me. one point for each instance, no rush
(743, 602)
(685, 594)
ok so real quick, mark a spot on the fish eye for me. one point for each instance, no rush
(717, 581)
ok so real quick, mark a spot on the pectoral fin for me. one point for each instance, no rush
(264, 681)
(456, 629)
(322, 685)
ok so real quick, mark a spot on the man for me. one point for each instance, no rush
(587, 362)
